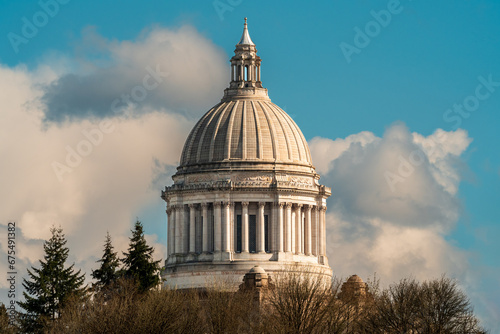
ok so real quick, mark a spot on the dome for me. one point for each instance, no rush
(246, 130)
(257, 270)
(246, 199)
(355, 279)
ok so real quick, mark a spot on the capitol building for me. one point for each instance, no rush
(246, 192)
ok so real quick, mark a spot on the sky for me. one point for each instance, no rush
(398, 100)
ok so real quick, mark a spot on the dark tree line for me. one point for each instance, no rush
(297, 304)
(54, 288)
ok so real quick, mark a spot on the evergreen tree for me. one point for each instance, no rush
(138, 262)
(107, 273)
(49, 286)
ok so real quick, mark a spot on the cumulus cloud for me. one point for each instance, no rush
(175, 70)
(104, 192)
(393, 202)
(394, 206)
(67, 160)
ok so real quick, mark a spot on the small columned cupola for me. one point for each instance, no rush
(245, 69)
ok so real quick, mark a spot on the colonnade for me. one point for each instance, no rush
(226, 227)
(238, 72)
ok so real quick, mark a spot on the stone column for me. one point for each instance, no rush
(279, 234)
(170, 230)
(273, 237)
(289, 228)
(298, 228)
(204, 220)
(192, 228)
(217, 227)
(321, 230)
(261, 229)
(303, 234)
(314, 228)
(185, 230)
(226, 228)
(178, 229)
(244, 228)
(308, 239)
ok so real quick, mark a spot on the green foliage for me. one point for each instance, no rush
(138, 262)
(49, 287)
(107, 272)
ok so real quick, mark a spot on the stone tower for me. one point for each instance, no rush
(246, 192)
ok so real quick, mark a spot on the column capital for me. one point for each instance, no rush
(288, 205)
(227, 204)
(169, 209)
(217, 204)
(308, 207)
(297, 205)
(243, 204)
(204, 205)
(193, 205)
(279, 204)
(262, 204)
(322, 208)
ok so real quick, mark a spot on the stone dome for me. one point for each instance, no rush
(245, 194)
(257, 270)
(243, 129)
(355, 279)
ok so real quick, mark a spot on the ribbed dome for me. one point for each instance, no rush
(246, 130)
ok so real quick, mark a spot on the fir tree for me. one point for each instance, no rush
(49, 286)
(107, 273)
(138, 262)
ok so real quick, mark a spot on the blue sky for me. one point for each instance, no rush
(412, 69)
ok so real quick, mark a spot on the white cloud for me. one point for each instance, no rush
(401, 229)
(327, 150)
(393, 229)
(123, 171)
(191, 71)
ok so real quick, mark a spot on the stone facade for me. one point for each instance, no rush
(246, 192)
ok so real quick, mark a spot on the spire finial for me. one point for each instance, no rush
(245, 38)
